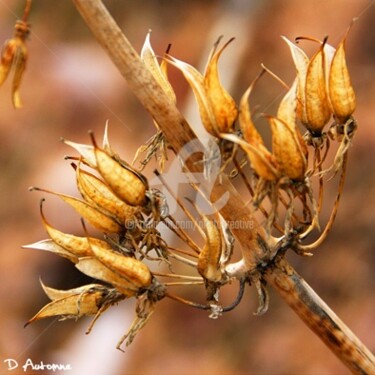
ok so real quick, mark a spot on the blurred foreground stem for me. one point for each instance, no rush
(281, 276)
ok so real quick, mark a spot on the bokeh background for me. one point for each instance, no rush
(71, 86)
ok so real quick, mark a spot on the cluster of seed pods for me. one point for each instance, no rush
(118, 201)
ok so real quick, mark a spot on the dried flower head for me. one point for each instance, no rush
(14, 56)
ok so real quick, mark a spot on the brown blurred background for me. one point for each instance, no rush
(70, 86)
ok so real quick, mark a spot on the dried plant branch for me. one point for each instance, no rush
(293, 289)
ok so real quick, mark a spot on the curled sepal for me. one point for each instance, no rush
(223, 105)
(53, 247)
(262, 161)
(75, 304)
(132, 270)
(317, 106)
(287, 149)
(96, 192)
(125, 182)
(341, 92)
(209, 258)
(150, 60)
(249, 131)
(96, 218)
(301, 62)
(92, 267)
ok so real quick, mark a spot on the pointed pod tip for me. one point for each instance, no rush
(33, 188)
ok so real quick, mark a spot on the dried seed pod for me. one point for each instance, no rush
(209, 258)
(14, 55)
(262, 161)
(301, 62)
(96, 218)
(287, 149)
(52, 246)
(318, 111)
(249, 131)
(78, 246)
(223, 105)
(95, 191)
(86, 301)
(132, 270)
(92, 267)
(287, 113)
(126, 183)
(341, 92)
(196, 82)
(55, 294)
(150, 60)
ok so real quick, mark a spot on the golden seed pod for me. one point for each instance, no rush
(96, 192)
(96, 218)
(287, 149)
(249, 131)
(55, 294)
(78, 246)
(127, 184)
(14, 55)
(317, 106)
(158, 71)
(301, 62)
(265, 164)
(92, 267)
(341, 92)
(76, 303)
(209, 258)
(223, 105)
(132, 270)
(196, 82)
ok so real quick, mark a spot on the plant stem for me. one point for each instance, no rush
(294, 290)
(320, 318)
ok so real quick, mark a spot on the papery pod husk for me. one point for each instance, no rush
(127, 184)
(95, 191)
(318, 111)
(196, 81)
(209, 258)
(55, 294)
(53, 247)
(96, 218)
(262, 161)
(287, 113)
(72, 306)
(159, 73)
(301, 62)
(341, 92)
(92, 267)
(223, 105)
(86, 151)
(287, 150)
(132, 270)
(78, 246)
(249, 131)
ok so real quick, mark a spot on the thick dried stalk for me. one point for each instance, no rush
(295, 291)
(320, 318)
